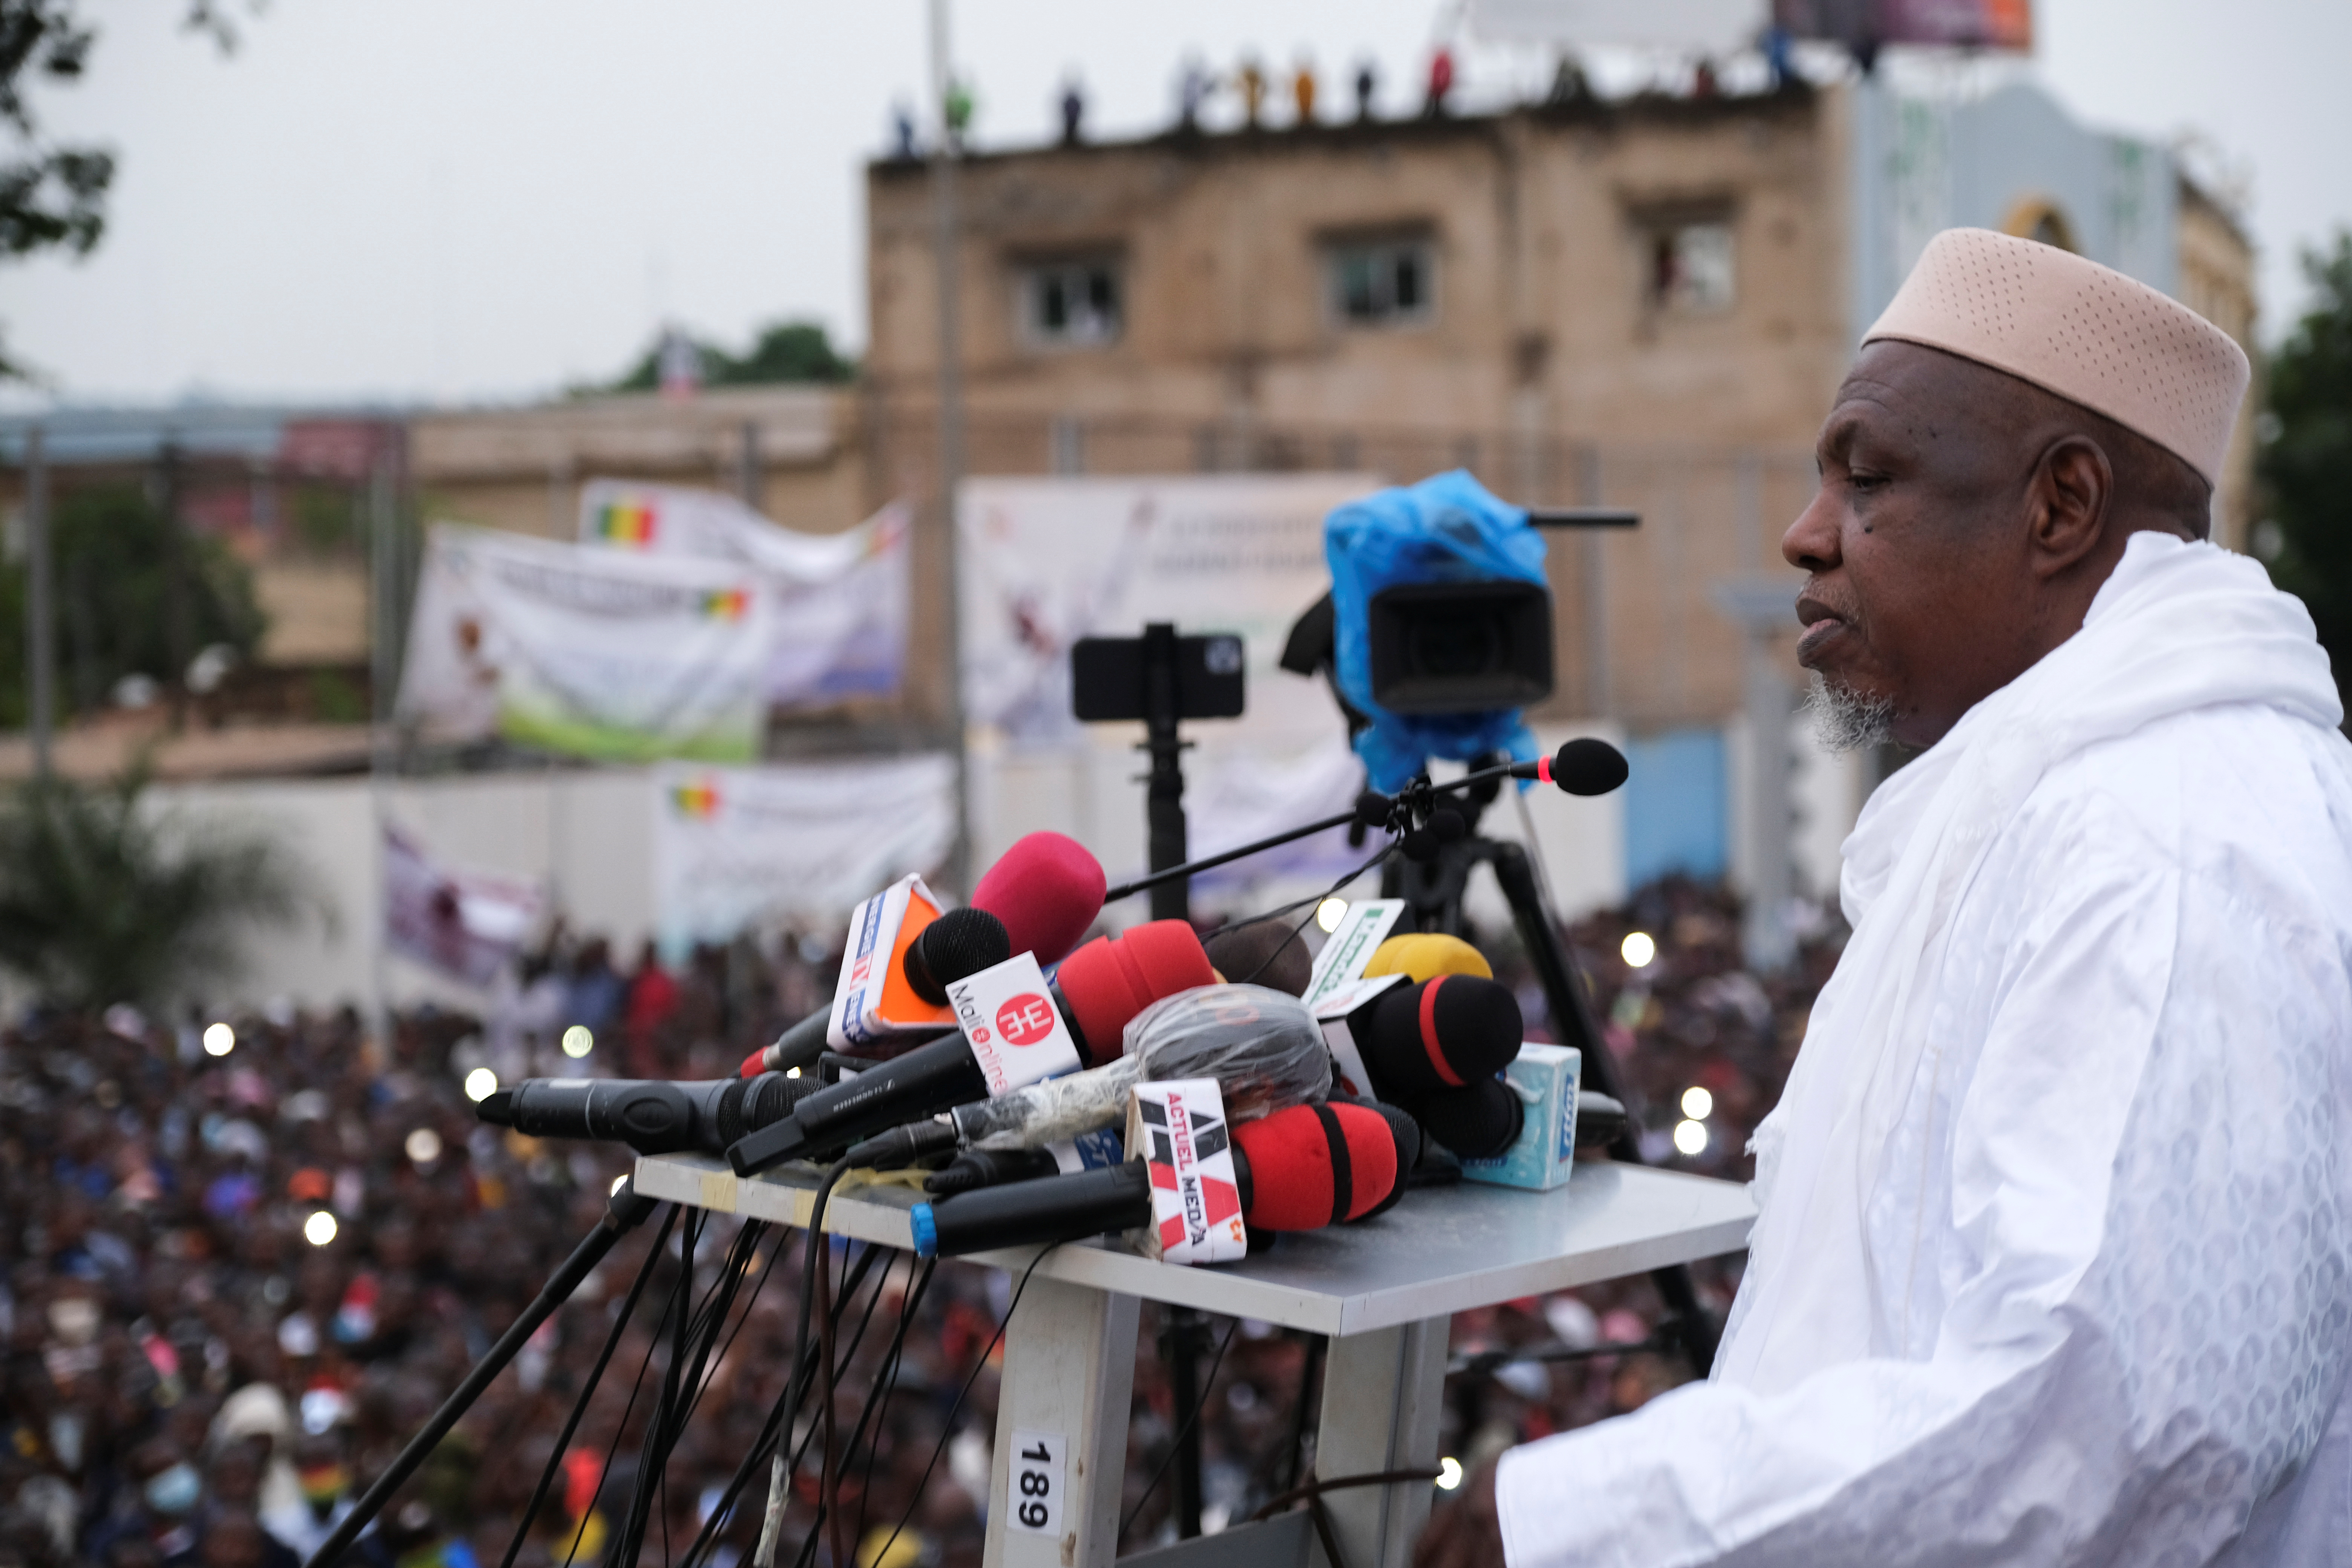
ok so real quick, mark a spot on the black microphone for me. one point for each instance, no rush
(976, 1168)
(956, 946)
(1441, 1034)
(926, 1080)
(1583, 766)
(651, 1116)
(1477, 1121)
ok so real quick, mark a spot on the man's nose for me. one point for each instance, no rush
(1812, 543)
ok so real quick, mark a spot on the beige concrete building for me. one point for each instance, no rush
(1644, 302)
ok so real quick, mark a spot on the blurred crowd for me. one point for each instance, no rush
(242, 1260)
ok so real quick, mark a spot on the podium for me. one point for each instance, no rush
(1383, 1291)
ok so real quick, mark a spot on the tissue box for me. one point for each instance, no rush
(1545, 1078)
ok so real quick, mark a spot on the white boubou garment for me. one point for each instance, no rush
(2054, 1258)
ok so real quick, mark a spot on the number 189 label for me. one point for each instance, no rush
(1032, 1485)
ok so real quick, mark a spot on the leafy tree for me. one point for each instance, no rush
(784, 351)
(2306, 455)
(103, 899)
(112, 616)
(53, 196)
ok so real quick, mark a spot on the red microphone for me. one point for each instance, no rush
(1299, 1169)
(1111, 979)
(1047, 890)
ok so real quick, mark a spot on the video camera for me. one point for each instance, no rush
(1438, 627)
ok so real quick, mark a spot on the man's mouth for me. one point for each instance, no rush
(1823, 625)
(1817, 637)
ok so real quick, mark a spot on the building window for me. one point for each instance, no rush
(1377, 283)
(1072, 303)
(1690, 268)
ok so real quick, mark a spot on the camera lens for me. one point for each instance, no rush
(1454, 645)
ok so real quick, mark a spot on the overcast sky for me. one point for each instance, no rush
(484, 199)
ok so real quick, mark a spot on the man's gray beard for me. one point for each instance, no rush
(1846, 721)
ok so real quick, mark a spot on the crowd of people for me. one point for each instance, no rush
(242, 1260)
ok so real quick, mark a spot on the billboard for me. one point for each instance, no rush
(1957, 24)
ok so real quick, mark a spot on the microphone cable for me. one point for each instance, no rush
(779, 1418)
(588, 1390)
(780, 1475)
(947, 1428)
(1310, 903)
(1176, 1444)
(637, 1386)
(829, 1502)
(886, 1381)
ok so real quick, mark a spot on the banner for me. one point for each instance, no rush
(1867, 23)
(838, 601)
(735, 848)
(466, 924)
(1046, 561)
(585, 651)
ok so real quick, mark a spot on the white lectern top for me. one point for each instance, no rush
(1440, 1251)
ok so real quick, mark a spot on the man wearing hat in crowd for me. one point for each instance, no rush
(2054, 1258)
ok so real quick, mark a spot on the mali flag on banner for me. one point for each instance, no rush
(625, 522)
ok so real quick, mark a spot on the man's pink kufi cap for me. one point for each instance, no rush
(2083, 331)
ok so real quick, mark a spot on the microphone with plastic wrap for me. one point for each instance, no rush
(1298, 1169)
(1098, 988)
(1263, 1047)
(1044, 893)
(651, 1116)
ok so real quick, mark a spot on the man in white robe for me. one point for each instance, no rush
(2054, 1259)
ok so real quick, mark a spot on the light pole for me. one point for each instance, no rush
(944, 153)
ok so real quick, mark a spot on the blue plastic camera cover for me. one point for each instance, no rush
(1446, 529)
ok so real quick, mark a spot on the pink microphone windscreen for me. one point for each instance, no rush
(1047, 891)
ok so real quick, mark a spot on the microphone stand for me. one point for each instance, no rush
(627, 1210)
(1372, 809)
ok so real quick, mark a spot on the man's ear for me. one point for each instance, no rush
(2068, 499)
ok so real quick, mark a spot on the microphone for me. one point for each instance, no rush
(1440, 1034)
(990, 1168)
(1263, 952)
(956, 946)
(1106, 982)
(1044, 891)
(1298, 1169)
(1476, 1122)
(1047, 890)
(650, 1116)
(1583, 766)
(1424, 955)
(1098, 988)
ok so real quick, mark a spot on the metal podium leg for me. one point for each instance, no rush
(1382, 1393)
(1069, 1373)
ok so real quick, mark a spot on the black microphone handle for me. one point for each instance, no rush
(924, 1081)
(801, 1045)
(1049, 1209)
(651, 1116)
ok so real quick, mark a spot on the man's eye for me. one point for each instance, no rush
(1864, 481)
